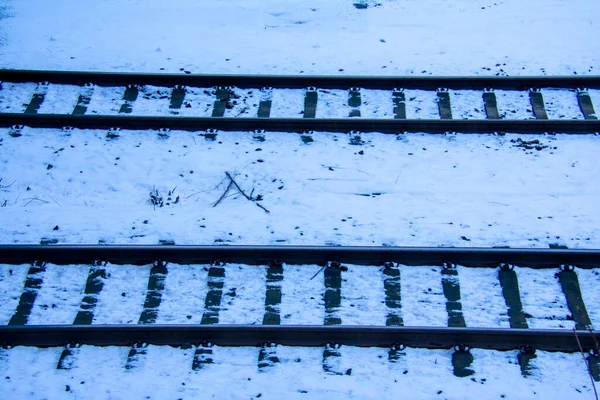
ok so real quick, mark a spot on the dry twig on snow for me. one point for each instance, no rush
(232, 182)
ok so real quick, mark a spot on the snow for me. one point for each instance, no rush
(320, 37)
(152, 100)
(60, 99)
(513, 104)
(421, 104)
(289, 103)
(561, 104)
(106, 100)
(12, 279)
(182, 301)
(244, 291)
(467, 104)
(595, 96)
(423, 301)
(588, 283)
(200, 103)
(417, 189)
(58, 299)
(376, 104)
(481, 296)
(543, 300)
(246, 104)
(14, 97)
(331, 103)
(121, 300)
(363, 297)
(302, 296)
(234, 374)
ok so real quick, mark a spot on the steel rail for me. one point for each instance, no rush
(295, 335)
(299, 125)
(302, 81)
(262, 255)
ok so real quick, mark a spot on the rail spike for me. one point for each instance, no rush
(527, 349)
(397, 346)
(567, 267)
(390, 265)
(462, 347)
(506, 267)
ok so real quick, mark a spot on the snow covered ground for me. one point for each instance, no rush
(414, 189)
(86, 186)
(421, 374)
(392, 37)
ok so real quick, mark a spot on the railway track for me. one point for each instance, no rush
(198, 297)
(301, 103)
(334, 267)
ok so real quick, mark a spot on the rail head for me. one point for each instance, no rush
(297, 335)
(321, 255)
(299, 125)
(301, 81)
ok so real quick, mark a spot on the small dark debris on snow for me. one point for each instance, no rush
(306, 139)
(50, 166)
(528, 144)
(55, 228)
(356, 140)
